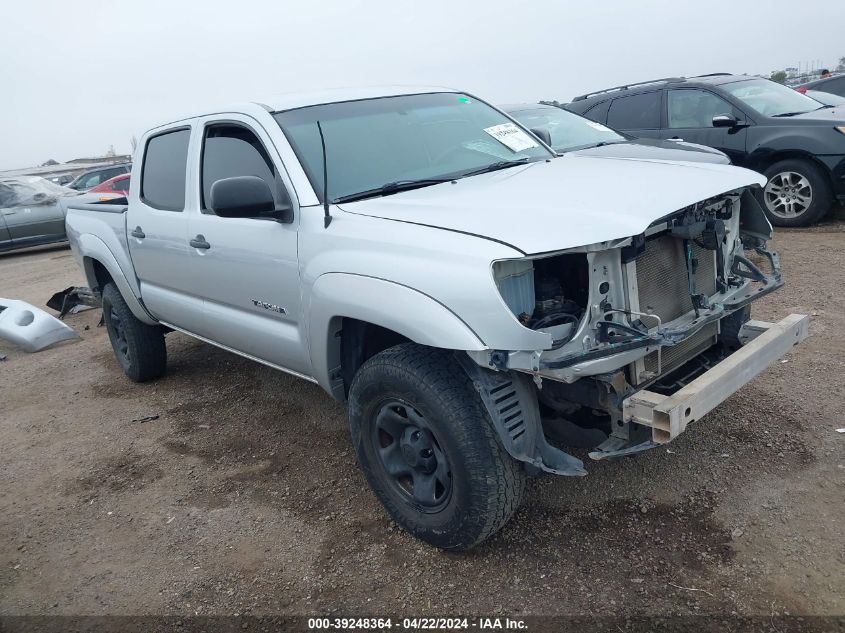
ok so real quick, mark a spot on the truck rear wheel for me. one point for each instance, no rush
(428, 449)
(138, 347)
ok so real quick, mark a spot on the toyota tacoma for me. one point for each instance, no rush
(466, 291)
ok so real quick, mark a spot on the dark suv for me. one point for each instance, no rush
(796, 142)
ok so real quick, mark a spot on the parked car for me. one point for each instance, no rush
(31, 212)
(827, 98)
(566, 131)
(798, 144)
(118, 184)
(833, 85)
(424, 258)
(94, 177)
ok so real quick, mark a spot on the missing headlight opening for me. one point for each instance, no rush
(548, 294)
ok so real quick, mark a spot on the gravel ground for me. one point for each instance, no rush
(227, 487)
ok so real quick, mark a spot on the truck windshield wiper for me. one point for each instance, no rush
(791, 113)
(578, 148)
(502, 164)
(391, 188)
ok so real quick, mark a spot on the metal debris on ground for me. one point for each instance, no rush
(691, 589)
(72, 300)
(148, 418)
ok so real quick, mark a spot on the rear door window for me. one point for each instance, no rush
(640, 111)
(163, 171)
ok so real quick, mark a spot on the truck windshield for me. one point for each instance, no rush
(770, 98)
(568, 130)
(373, 144)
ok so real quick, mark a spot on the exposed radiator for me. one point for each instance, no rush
(662, 277)
(675, 356)
(664, 291)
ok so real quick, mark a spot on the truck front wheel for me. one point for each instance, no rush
(138, 347)
(428, 449)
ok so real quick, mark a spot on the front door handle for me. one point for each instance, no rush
(199, 242)
(677, 139)
(138, 232)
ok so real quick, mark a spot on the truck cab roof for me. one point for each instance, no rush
(293, 100)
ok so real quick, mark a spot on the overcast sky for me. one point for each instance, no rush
(78, 76)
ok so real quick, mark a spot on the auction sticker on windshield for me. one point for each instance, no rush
(598, 126)
(511, 136)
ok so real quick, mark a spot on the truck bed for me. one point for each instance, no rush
(97, 231)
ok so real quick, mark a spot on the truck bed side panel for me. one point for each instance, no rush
(97, 232)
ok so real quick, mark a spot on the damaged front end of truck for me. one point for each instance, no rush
(648, 333)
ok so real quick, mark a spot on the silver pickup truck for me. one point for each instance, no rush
(470, 294)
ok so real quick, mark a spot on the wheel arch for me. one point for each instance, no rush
(101, 267)
(370, 314)
(761, 161)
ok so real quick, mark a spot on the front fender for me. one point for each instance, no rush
(416, 316)
(92, 249)
(771, 145)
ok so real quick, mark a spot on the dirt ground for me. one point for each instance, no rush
(243, 494)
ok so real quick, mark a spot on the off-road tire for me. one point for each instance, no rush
(821, 192)
(139, 348)
(487, 485)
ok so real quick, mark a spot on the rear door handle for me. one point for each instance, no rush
(199, 242)
(139, 233)
(677, 139)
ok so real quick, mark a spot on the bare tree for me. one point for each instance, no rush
(133, 142)
(841, 65)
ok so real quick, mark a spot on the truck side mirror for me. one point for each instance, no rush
(724, 120)
(242, 197)
(543, 134)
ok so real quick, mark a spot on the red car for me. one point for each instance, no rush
(118, 184)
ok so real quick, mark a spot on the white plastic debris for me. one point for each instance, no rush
(31, 328)
(842, 430)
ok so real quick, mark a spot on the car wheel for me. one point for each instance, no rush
(796, 193)
(428, 450)
(139, 348)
